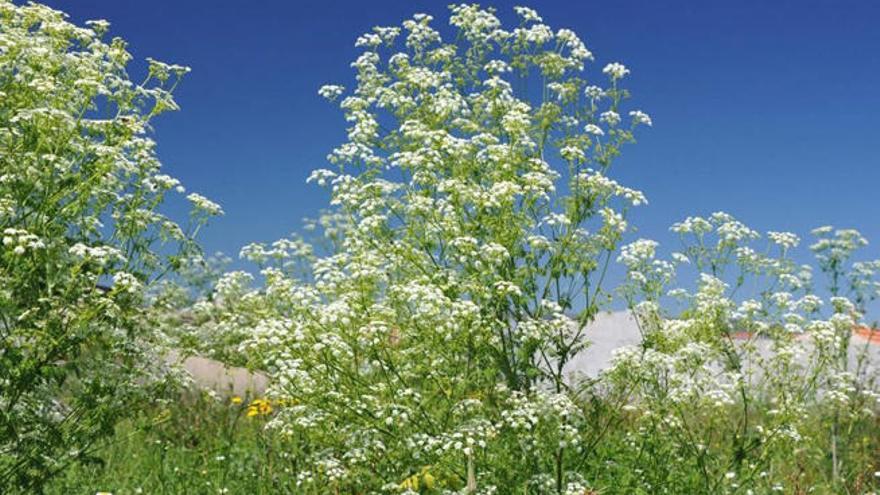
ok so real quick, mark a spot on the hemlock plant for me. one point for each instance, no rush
(477, 223)
(423, 343)
(82, 238)
(472, 223)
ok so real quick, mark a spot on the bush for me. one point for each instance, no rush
(471, 227)
(423, 344)
(432, 338)
(80, 185)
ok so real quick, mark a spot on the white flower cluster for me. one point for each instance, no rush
(126, 282)
(615, 71)
(642, 266)
(785, 240)
(610, 117)
(640, 117)
(527, 14)
(21, 241)
(455, 260)
(835, 245)
(100, 254)
(204, 204)
(162, 182)
(594, 130)
(331, 91)
(595, 183)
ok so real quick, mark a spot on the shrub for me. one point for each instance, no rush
(471, 227)
(82, 237)
(749, 367)
(432, 340)
(422, 344)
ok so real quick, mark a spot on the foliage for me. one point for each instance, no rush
(189, 445)
(437, 333)
(465, 270)
(734, 386)
(423, 343)
(196, 444)
(80, 185)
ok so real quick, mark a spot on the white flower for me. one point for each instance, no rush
(126, 282)
(204, 204)
(556, 219)
(610, 117)
(331, 91)
(527, 14)
(22, 239)
(496, 67)
(320, 176)
(371, 40)
(637, 252)
(680, 258)
(785, 240)
(613, 220)
(99, 254)
(594, 130)
(572, 154)
(594, 92)
(99, 25)
(695, 225)
(615, 70)
(640, 117)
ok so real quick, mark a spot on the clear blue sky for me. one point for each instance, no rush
(768, 110)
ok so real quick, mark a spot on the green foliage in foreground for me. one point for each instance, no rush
(83, 237)
(425, 349)
(471, 223)
(193, 446)
(200, 446)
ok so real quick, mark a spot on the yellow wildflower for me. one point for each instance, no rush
(428, 479)
(259, 407)
(423, 478)
(411, 483)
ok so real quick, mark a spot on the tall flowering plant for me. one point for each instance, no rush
(80, 186)
(473, 220)
(752, 367)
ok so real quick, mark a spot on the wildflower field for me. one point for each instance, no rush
(423, 335)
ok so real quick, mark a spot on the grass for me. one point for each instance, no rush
(200, 445)
(195, 446)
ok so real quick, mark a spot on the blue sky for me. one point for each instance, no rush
(766, 110)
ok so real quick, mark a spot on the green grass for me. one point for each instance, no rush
(201, 446)
(196, 446)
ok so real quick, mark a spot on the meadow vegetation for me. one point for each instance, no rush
(417, 336)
